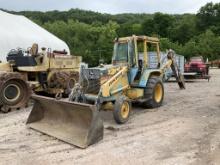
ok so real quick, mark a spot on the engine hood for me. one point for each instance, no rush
(5, 67)
(109, 70)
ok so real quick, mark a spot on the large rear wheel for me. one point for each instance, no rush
(14, 91)
(63, 80)
(154, 93)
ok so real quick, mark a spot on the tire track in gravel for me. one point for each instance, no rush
(134, 136)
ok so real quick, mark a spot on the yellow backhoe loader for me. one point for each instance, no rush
(106, 87)
(46, 72)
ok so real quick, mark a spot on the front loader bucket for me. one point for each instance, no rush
(74, 123)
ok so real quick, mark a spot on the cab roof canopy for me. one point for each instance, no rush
(139, 38)
(19, 32)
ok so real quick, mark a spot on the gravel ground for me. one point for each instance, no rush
(185, 130)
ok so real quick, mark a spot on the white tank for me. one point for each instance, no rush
(19, 32)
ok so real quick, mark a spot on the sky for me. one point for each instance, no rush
(109, 6)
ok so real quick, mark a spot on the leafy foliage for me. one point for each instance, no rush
(90, 34)
(90, 41)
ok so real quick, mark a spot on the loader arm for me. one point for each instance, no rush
(116, 83)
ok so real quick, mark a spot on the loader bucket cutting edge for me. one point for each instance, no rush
(74, 123)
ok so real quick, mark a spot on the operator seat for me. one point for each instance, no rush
(34, 50)
(34, 53)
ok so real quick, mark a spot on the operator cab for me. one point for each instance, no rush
(138, 53)
(135, 51)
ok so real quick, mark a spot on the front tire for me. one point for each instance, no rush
(154, 93)
(122, 110)
(14, 91)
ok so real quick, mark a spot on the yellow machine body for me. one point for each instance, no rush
(106, 87)
(45, 72)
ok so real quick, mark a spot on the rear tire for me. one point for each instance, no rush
(122, 110)
(63, 80)
(154, 93)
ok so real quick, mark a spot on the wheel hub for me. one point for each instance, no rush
(158, 93)
(125, 110)
(12, 92)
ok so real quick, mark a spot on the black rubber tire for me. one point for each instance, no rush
(70, 83)
(16, 102)
(63, 80)
(149, 93)
(117, 112)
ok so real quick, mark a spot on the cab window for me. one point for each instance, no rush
(120, 52)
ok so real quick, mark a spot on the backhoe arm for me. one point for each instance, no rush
(171, 63)
(167, 64)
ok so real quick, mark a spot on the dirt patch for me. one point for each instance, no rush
(185, 130)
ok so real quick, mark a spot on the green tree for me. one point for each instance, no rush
(184, 29)
(160, 25)
(90, 34)
(86, 40)
(209, 16)
(206, 45)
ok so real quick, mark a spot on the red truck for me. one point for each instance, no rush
(196, 68)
